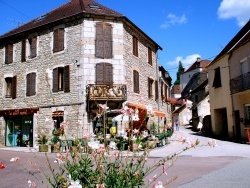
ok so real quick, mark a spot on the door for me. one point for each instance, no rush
(13, 132)
(237, 124)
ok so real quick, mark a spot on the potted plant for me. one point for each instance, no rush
(55, 144)
(42, 141)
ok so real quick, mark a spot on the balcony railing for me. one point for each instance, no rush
(240, 83)
(107, 92)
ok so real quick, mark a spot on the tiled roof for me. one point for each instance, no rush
(199, 64)
(176, 89)
(72, 8)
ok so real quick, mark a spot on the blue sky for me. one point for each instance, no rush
(185, 29)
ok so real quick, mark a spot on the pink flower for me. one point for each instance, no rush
(31, 184)
(158, 185)
(136, 174)
(2, 166)
(104, 107)
(15, 159)
(127, 111)
(212, 143)
(100, 185)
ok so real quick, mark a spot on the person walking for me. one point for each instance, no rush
(177, 126)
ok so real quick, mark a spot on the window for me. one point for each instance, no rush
(103, 42)
(58, 43)
(61, 79)
(247, 114)
(33, 47)
(104, 73)
(150, 87)
(136, 81)
(135, 46)
(57, 116)
(11, 87)
(23, 52)
(149, 56)
(217, 78)
(31, 84)
(8, 53)
(156, 90)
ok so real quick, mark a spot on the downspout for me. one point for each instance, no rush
(157, 77)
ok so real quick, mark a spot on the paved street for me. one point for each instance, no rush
(226, 165)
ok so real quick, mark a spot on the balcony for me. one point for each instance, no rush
(114, 92)
(240, 83)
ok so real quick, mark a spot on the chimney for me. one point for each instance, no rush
(198, 59)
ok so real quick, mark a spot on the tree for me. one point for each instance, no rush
(180, 71)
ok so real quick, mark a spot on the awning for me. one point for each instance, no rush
(18, 112)
(144, 107)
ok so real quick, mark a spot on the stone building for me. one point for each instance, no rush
(60, 66)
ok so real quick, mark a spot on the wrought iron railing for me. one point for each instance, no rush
(240, 83)
(106, 92)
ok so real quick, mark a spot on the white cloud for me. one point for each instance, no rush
(239, 9)
(186, 62)
(172, 19)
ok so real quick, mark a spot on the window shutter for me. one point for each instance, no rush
(33, 45)
(156, 90)
(55, 80)
(23, 55)
(149, 87)
(136, 81)
(14, 87)
(135, 46)
(107, 41)
(28, 83)
(33, 84)
(55, 41)
(66, 79)
(99, 73)
(108, 72)
(217, 78)
(9, 53)
(150, 56)
(61, 39)
(99, 41)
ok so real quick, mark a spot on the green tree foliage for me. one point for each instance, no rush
(180, 71)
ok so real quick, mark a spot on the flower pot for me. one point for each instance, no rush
(151, 144)
(43, 148)
(55, 148)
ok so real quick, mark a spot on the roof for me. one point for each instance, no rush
(72, 8)
(235, 42)
(75, 9)
(176, 89)
(199, 64)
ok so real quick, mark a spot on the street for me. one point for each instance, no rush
(226, 165)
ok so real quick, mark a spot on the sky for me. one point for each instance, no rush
(185, 29)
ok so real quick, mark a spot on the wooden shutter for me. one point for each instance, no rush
(28, 83)
(99, 41)
(33, 84)
(149, 56)
(55, 41)
(66, 79)
(136, 81)
(60, 39)
(135, 46)
(107, 41)
(108, 73)
(33, 46)
(23, 55)
(149, 87)
(14, 87)
(156, 90)
(99, 73)
(55, 80)
(9, 53)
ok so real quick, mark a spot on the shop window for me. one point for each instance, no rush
(57, 116)
(136, 81)
(33, 47)
(104, 73)
(58, 42)
(10, 87)
(103, 42)
(217, 78)
(135, 46)
(61, 79)
(9, 53)
(150, 56)
(31, 84)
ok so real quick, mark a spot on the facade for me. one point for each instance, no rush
(58, 68)
(229, 87)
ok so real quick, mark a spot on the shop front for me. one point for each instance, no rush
(18, 127)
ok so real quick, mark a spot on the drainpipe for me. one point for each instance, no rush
(157, 76)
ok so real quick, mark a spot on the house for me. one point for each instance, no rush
(229, 87)
(59, 68)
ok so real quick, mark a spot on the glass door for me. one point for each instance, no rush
(13, 132)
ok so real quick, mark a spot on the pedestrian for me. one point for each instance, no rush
(177, 126)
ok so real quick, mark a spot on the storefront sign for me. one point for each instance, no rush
(19, 112)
